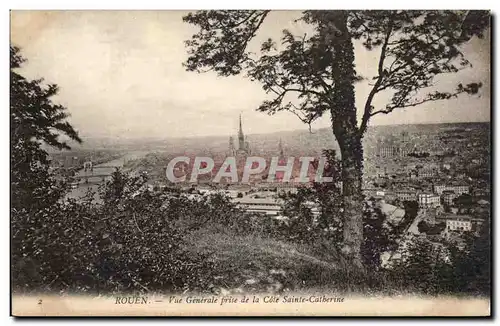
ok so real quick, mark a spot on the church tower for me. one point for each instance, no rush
(243, 145)
(241, 137)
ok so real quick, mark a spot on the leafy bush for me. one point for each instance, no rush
(446, 268)
(131, 242)
(423, 227)
(378, 237)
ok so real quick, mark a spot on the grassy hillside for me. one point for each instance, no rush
(255, 263)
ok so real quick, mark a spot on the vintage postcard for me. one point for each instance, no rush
(250, 163)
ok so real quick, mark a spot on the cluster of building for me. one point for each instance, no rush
(438, 171)
(423, 168)
(459, 223)
(442, 195)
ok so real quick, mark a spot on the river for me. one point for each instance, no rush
(103, 172)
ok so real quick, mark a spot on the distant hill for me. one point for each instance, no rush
(295, 142)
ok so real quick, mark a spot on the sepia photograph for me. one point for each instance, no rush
(197, 163)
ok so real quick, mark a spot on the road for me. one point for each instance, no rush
(409, 233)
(406, 236)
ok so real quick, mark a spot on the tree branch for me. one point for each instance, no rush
(242, 21)
(471, 88)
(254, 30)
(381, 74)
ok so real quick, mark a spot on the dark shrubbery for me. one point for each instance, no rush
(446, 268)
(131, 242)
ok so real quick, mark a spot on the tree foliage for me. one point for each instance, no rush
(300, 71)
(131, 242)
(315, 212)
(446, 268)
(34, 119)
(378, 237)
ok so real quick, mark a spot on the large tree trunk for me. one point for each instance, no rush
(345, 129)
(352, 169)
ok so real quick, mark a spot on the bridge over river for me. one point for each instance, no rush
(86, 179)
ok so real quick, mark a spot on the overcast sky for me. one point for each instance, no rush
(120, 74)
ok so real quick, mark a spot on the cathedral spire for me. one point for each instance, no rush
(241, 136)
(243, 146)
